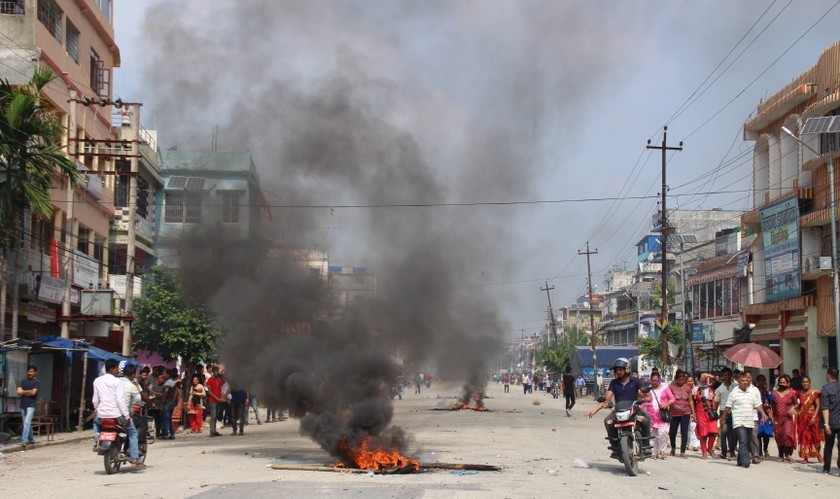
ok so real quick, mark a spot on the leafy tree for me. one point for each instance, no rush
(651, 348)
(167, 323)
(556, 358)
(31, 155)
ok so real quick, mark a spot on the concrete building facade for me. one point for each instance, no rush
(792, 292)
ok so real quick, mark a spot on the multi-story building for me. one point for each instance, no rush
(214, 197)
(792, 304)
(351, 289)
(75, 39)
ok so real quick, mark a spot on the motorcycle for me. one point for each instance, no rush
(630, 444)
(113, 445)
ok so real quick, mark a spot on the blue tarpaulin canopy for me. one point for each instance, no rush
(71, 346)
(581, 358)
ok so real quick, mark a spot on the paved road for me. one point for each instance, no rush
(525, 438)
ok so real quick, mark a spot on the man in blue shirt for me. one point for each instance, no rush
(28, 392)
(623, 388)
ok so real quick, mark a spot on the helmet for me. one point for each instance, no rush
(123, 363)
(621, 362)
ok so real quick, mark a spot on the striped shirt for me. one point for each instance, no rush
(831, 401)
(742, 404)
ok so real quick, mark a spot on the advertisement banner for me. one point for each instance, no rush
(51, 290)
(697, 332)
(780, 235)
(85, 270)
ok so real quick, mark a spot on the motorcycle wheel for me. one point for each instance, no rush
(628, 456)
(112, 459)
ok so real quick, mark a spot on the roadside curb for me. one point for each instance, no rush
(71, 437)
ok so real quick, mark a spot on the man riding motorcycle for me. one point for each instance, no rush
(624, 388)
(109, 402)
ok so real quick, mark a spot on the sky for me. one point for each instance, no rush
(531, 117)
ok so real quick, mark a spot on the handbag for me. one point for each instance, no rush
(713, 414)
(664, 414)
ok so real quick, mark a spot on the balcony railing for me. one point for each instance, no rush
(13, 7)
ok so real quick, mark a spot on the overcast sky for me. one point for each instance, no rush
(563, 95)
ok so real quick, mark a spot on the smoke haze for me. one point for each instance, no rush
(337, 107)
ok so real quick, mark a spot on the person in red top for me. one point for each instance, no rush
(214, 396)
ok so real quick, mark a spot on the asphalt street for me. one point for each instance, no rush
(540, 450)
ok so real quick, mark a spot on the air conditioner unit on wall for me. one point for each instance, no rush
(825, 263)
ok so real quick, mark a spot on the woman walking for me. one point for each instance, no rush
(707, 428)
(785, 403)
(682, 412)
(808, 424)
(195, 406)
(658, 398)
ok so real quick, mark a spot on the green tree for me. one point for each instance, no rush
(167, 323)
(651, 348)
(31, 156)
(556, 358)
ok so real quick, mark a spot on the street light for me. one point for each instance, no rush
(819, 126)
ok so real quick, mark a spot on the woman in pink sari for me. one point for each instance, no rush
(785, 402)
(659, 397)
(808, 422)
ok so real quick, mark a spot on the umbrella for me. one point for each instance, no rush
(753, 355)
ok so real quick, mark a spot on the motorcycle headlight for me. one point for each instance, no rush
(623, 415)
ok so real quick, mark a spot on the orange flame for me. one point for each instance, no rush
(460, 406)
(371, 455)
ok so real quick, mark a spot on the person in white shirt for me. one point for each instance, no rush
(742, 404)
(109, 402)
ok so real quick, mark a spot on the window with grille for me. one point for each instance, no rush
(13, 7)
(100, 76)
(50, 16)
(182, 207)
(72, 41)
(230, 206)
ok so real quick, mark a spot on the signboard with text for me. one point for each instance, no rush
(780, 235)
(85, 270)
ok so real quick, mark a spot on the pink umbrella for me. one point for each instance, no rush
(753, 355)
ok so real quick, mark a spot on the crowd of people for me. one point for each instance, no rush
(209, 400)
(738, 414)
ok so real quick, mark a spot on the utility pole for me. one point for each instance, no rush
(131, 248)
(663, 338)
(551, 313)
(592, 317)
(73, 146)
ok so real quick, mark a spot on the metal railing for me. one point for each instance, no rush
(13, 7)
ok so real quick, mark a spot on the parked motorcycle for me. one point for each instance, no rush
(630, 443)
(113, 445)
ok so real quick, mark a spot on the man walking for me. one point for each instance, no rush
(727, 435)
(741, 405)
(238, 405)
(28, 392)
(214, 398)
(830, 403)
(569, 390)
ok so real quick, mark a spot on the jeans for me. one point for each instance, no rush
(829, 448)
(253, 406)
(570, 401)
(744, 437)
(727, 438)
(239, 415)
(212, 409)
(27, 436)
(168, 429)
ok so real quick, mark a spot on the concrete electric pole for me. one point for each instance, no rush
(592, 317)
(664, 247)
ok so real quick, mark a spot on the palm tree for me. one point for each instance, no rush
(31, 158)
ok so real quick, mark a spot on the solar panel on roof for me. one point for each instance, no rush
(824, 124)
(195, 183)
(688, 238)
(176, 183)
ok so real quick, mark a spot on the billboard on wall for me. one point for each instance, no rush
(780, 235)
